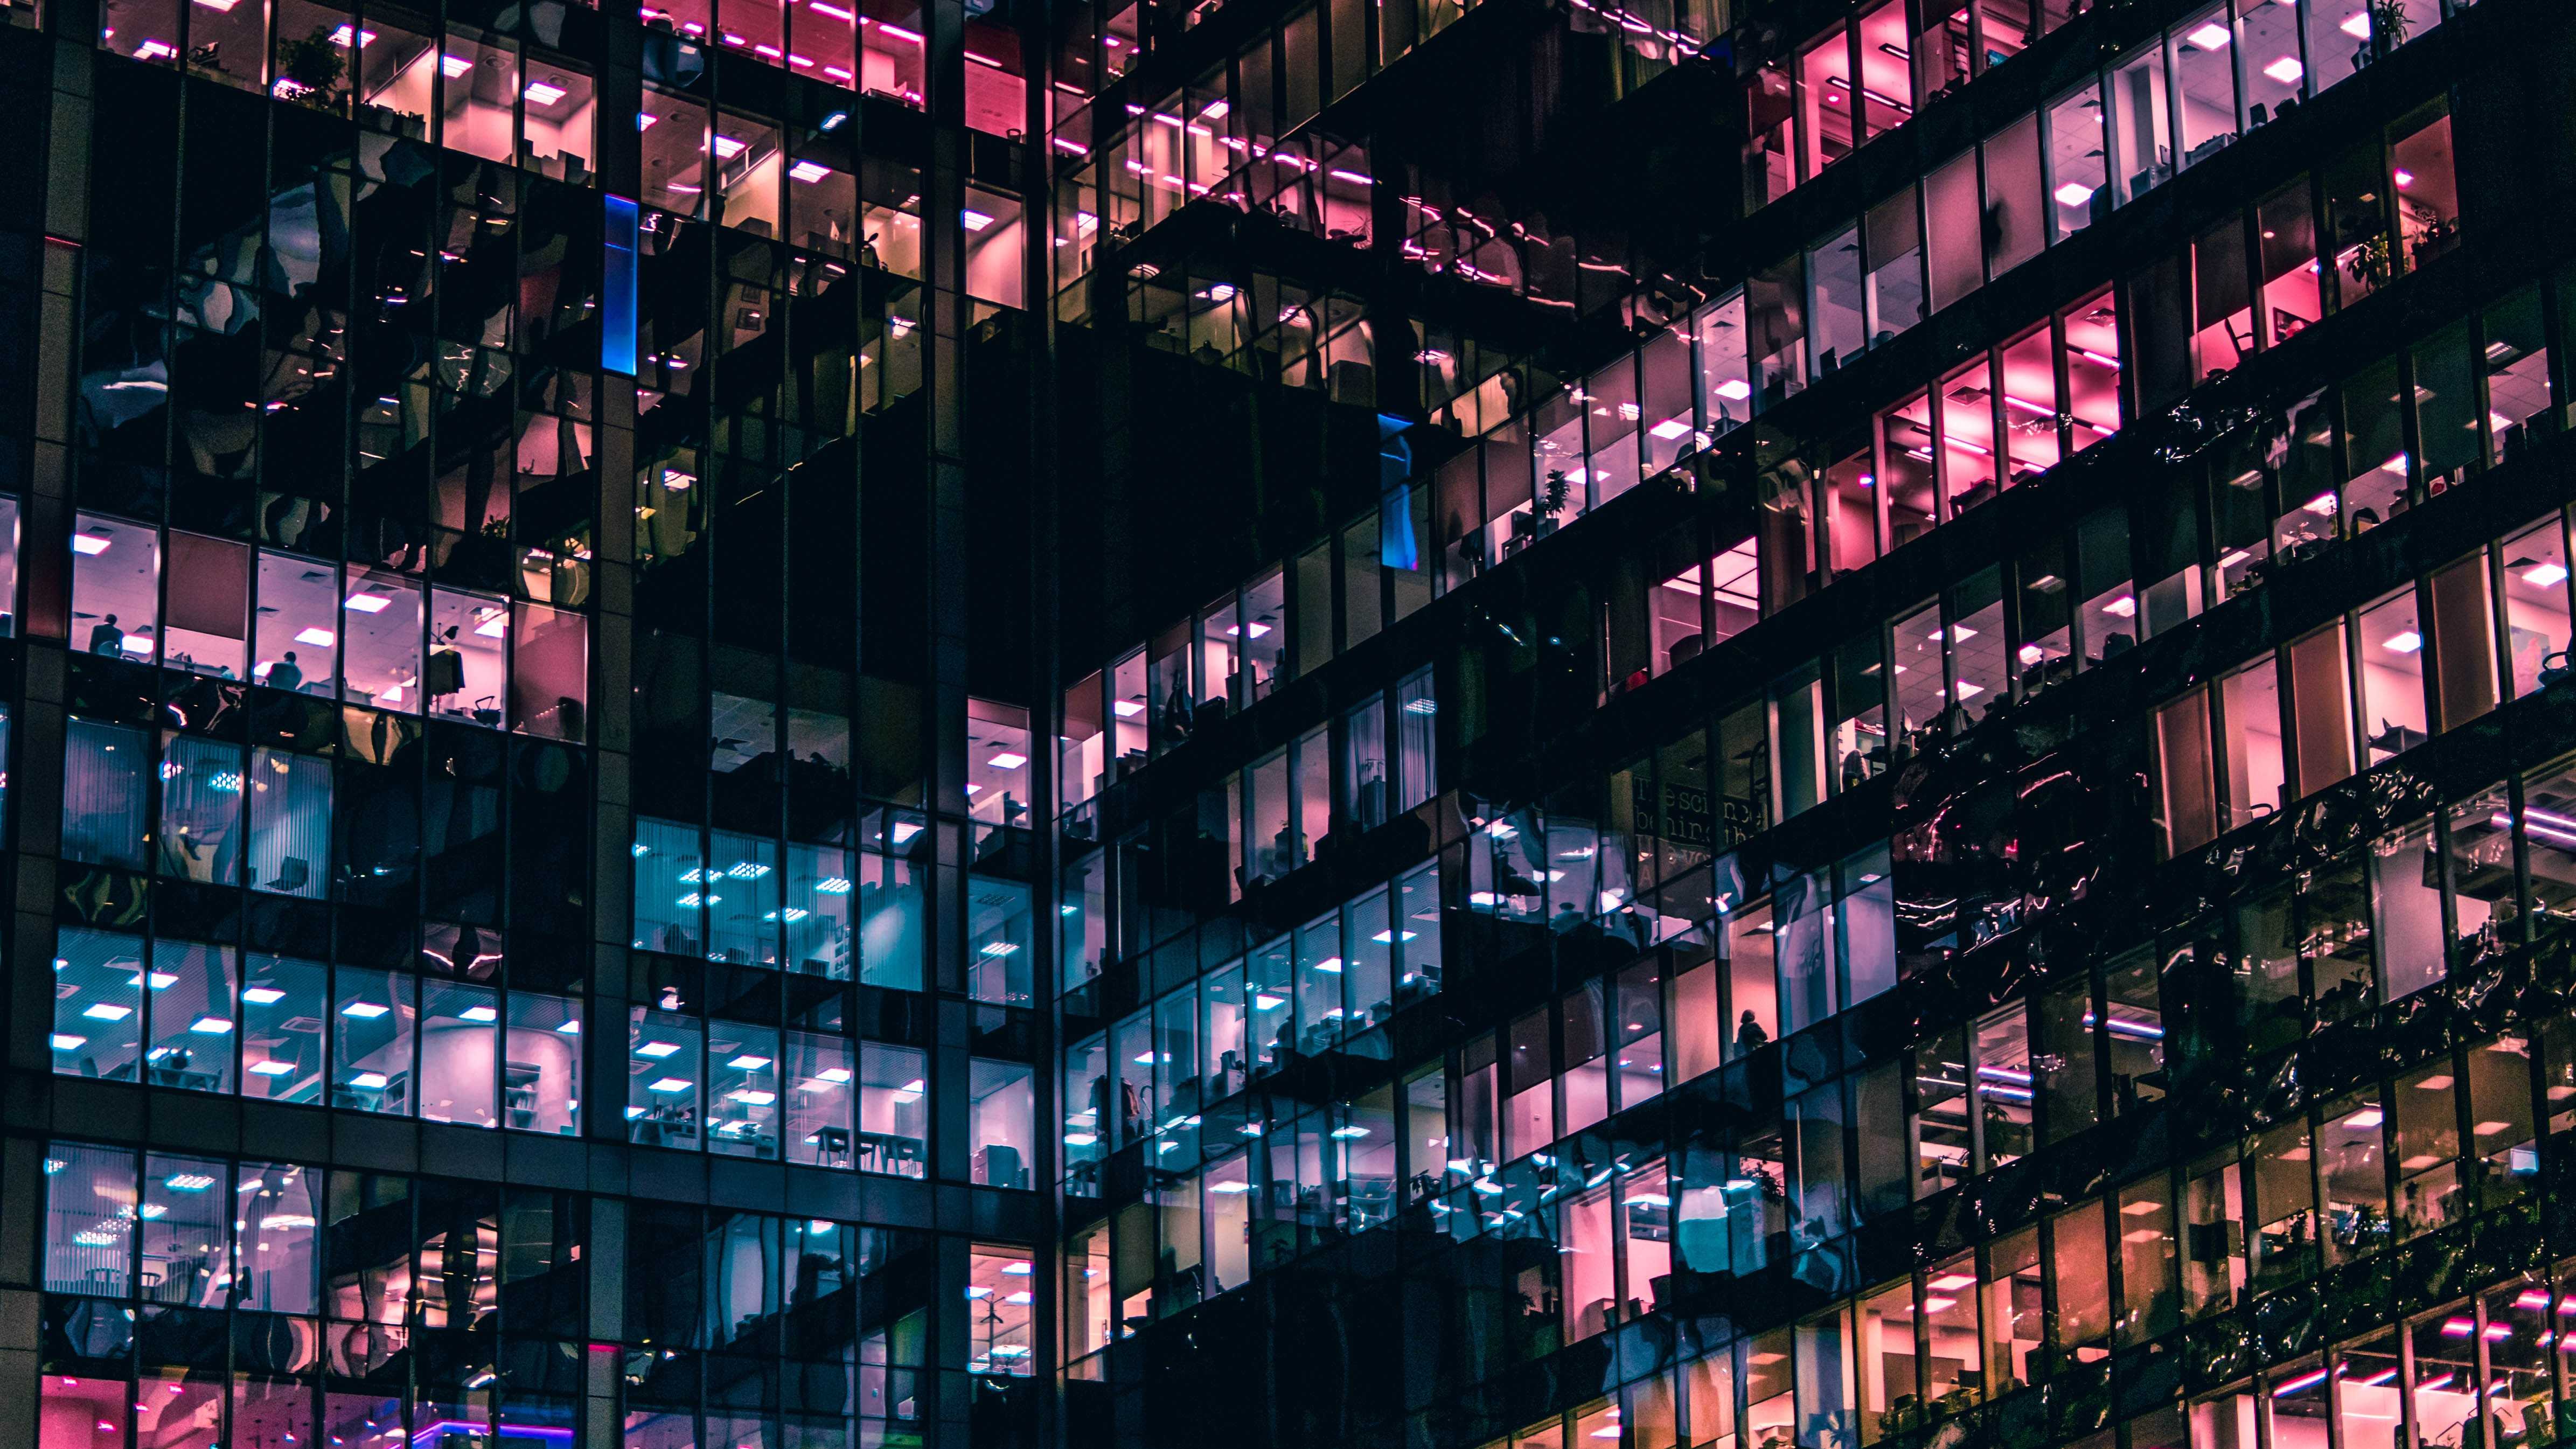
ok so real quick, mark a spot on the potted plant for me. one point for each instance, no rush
(2371, 261)
(312, 67)
(2388, 26)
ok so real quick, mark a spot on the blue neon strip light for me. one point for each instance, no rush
(617, 289)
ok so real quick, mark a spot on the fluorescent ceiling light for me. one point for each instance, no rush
(539, 91)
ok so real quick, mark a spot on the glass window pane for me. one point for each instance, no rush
(549, 672)
(2016, 202)
(106, 795)
(195, 1017)
(2141, 130)
(669, 898)
(98, 1004)
(459, 1028)
(201, 810)
(466, 657)
(743, 1078)
(281, 1247)
(2391, 644)
(740, 889)
(2077, 169)
(820, 1092)
(2204, 77)
(541, 1065)
(1905, 468)
(2428, 192)
(1370, 945)
(209, 595)
(1416, 723)
(999, 936)
(2535, 605)
(1001, 1123)
(2406, 911)
(1825, 102)
(90, 1198)
(372, 1022)
(890, 916)
(2270, 69)
(1834, 301)
(817, 911)
(185, 1253)
(282, 1037)
(1418, 920)
(894, 1115)
(2255, 762)
(380, 624)
(2287, 270)
(290, 823)
(116, 587)
(663, 1060)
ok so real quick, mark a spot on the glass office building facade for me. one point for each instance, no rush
(1534, 724)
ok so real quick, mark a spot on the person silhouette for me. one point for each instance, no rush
(286, 673)
(1749, 1033)
(106, 638)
